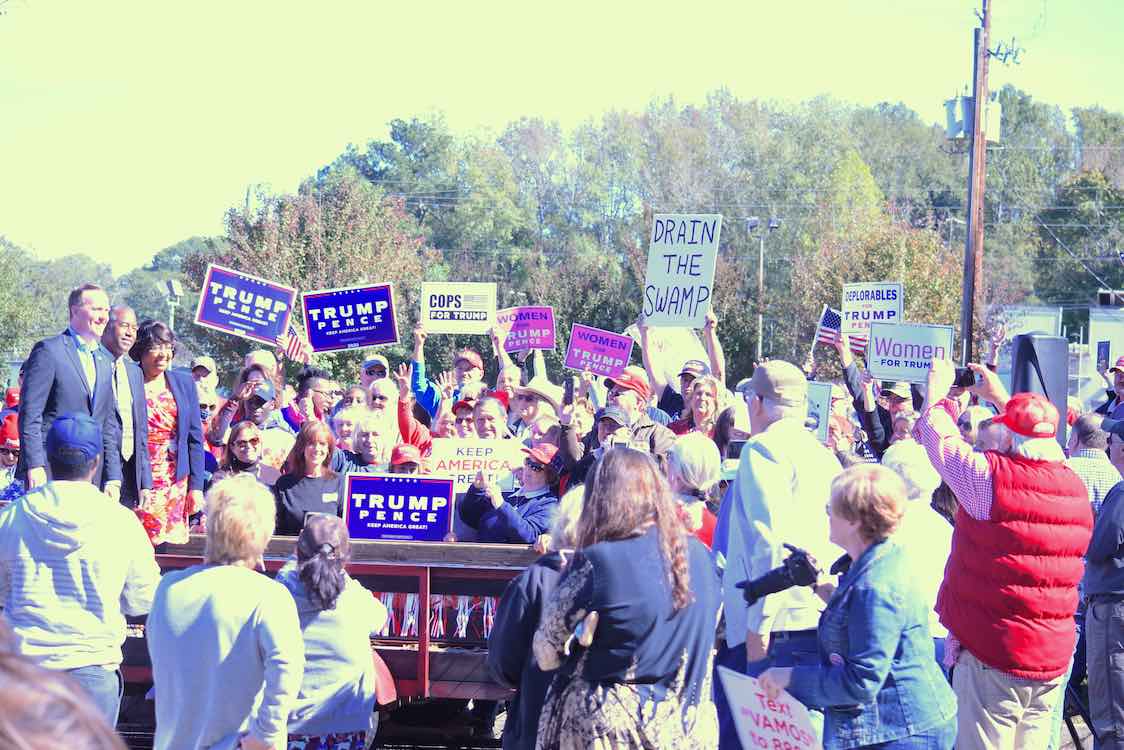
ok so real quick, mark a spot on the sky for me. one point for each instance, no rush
(127, 126)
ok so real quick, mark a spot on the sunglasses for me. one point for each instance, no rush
(251, 443)
(374, 372)
(10, 452)
(380, 398)
(534, 466)
(463, 420)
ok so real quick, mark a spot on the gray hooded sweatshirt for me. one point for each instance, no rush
(73, 563)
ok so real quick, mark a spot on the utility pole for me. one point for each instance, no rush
(977, 178)
(760, 295)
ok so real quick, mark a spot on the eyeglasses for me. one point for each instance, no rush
(163, 349)
(525, 397)
(10, 452)
(534, 466)
(375, 372)
(379, 397)
(251, 443)
(127, 326)
(463, 420)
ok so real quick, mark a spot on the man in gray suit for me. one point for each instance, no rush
(131, 408)
(71, 373)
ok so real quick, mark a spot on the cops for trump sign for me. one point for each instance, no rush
(353, 317)
(244, 305)
(403, 507)
(870, 302)
(681, 256)
(904, 351)
(460, 307)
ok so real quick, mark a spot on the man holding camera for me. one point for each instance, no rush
(783, 483)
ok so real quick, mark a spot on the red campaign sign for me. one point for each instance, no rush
(528, 327)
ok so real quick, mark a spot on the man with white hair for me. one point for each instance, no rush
(1010, 586)
(783, 482)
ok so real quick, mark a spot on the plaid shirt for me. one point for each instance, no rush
(964, 470)
(1096, 471)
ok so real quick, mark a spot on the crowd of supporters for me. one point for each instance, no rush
(963, 569)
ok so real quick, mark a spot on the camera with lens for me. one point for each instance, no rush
(798, 569)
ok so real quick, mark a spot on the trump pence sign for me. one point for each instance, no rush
(904, 351)
(354, 317)
(401, 507)
(244, 305)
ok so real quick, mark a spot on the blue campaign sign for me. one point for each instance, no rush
(402, 507)
(244, 305)
(350, 318)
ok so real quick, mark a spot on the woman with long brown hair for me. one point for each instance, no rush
(640, 597)
(308, 485)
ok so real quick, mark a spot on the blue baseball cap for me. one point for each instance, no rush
(265, 390)
(74, 433)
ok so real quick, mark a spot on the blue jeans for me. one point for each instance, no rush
(941, 737)
(104, 687)
(735, 659)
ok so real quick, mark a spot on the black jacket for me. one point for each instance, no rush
(510, 658)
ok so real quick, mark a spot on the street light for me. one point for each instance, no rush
(173, 291)
(751, 224)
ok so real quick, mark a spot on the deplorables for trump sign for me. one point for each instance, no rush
(603, 352)
(462, 458)
(871, 302)
(769, 724)
(459, 307)
(244, 305)
(527, 328)
(681, 257)
(399, 506)
(350, 318)
(905, 351)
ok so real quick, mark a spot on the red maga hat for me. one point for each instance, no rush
(1030, 415)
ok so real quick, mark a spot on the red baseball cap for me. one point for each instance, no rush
(502, 397)
(10, 432)
(1119, 366)
(12, 398)
(1030, 415)
(464, 403)
(405, 453)
(632, 379)
(542, 452)
(469, 356)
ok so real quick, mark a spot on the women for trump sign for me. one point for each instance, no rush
(603, 352)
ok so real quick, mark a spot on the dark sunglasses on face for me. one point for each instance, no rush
(534, 466)
(373, 372)
(379, 397)
(251, 443)
(10, 452)
(463, 420)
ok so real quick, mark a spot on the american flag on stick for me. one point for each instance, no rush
(295, 346)
(829, 331)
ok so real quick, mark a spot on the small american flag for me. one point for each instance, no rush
(296, 348)
(828, 331)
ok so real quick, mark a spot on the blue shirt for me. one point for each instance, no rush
(86, 353)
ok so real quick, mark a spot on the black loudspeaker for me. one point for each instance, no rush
(1040, 364)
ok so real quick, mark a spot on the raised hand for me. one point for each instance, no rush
(404, 376)
(447, 383)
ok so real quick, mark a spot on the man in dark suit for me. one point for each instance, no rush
(129, 402)
(71, 373)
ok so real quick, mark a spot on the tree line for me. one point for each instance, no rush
(561, 218)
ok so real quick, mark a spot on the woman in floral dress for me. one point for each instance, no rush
(175, 438)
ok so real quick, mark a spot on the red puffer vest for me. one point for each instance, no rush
(1010, 585)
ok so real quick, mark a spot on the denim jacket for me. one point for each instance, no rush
(878, 679)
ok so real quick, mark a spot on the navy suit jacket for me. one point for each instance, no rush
(54, 383)
(143, 469)
(189, 429)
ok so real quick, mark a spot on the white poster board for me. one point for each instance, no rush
(763, 723)
(819, 408)
(904, 351)
(869, 302)
(458, 307)
(461, 458)
(682, 250)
